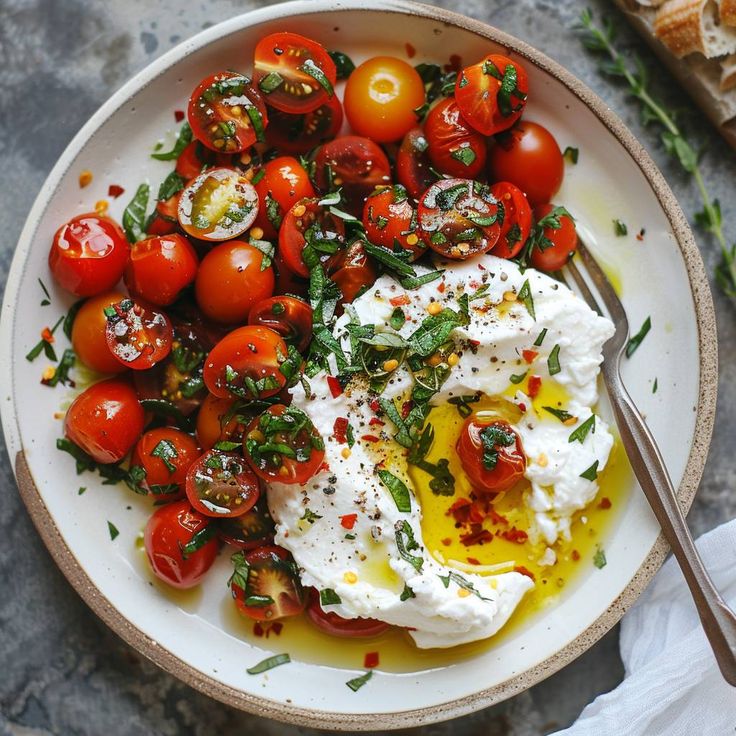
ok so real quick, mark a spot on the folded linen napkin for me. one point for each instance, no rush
(672, 685)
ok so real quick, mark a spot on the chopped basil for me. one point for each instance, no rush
(414, 282)
(582, 431)
(561, 414)
(269, 663)
(518, 378)
(268, 250)
(443, 482)
(308, 515)
(166, 451)
(357, 682)
(461, 582)
(113, 530)
(256, 120)
(82, 489)
(47, 300)
(199, 539)
(44, 346)
(134, 215)
(163, 408)
(226, 446)
(172, 184)
(406, 544)
(591, 473)
(407, 593)
(553, 362)
(620, 228)
(465, 155)
(571, 154)
(273, 211)
(183, 139)
(398, 490)
(434, 331)
(540, 338)
(599, 559)
(462, 403)
(397, 319)
(636, 340)
(343, 64)
(447, 198)
(328, 597)
(314, 71)
(525, 297)
(61, 372)
(493, 436)
(393, 261)
(654, 386)
(436, 82)
(272, 81)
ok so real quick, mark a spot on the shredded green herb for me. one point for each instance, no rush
(268, 664)
(636, 340)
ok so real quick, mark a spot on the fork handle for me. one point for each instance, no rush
(719, 622)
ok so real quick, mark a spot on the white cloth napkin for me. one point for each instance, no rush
(672, 685)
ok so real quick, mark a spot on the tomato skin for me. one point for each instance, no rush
(230, 280)
(413, 164)
(251, 530)
(296, 134)
(389, 219)
(288, 282)
(476, 94)
(286, 54)
(381, 95)
(210, 428)
(448, 136)
(157, 471)
(285, 181)
(517, 221)
(164, 221)
(88, 334)
(352, 270)
(195, 158)
(88, 255)
(160, 267)
(255, 352)
(511, 462)
(286, 315)
(564, 242)
(334, 625)
(137, 336)
(170, 528)
(105, 420)
(528, 155)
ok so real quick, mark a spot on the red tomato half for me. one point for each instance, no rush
(288, 316)
(138, 337)
(389, 219)
(557, 244)
(168, 532)
(88, 255)
(517, 219)
(301, 133)
(105, 420)
(413, 164)
(195, 158)
(216, 422)
(165, 456)
(491, 453)
(352, 270)
(251, 530)
(334, 625)
(164, 220)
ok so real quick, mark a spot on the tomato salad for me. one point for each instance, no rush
(271, 222)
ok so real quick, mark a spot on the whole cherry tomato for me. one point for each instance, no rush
(164, 455)
(164, 220)
(390, 220)
(559, 238)
(288, 316)
(138, 337)
(413, 166)
(216, 421)
(88, 334)
(517, 219)
(352, 270)
(334, 625)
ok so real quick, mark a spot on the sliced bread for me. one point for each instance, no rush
(694, 26)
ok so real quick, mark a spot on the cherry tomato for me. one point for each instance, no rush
(164, 456)
(389, 220)
(334, 625)
(283, 182)
(454, 148)
(381, 96)
(246, 364)
(301, 133)
(88, 255)
(352, 270)
(413, 163)
(517, 219)
(357, 165)
(227, 113)
(307, 218)
(164, 220)
(88, 334)
(287, 282)
(266, 585)
(230, 280)
(253, 529)
(295, 74)
(195, 158)
(218, 205)
(288, 316)
(492, 93)
(213, 424)
(168, 532)
(558, 243)
(138, 337)
(458, 218)
(528, 156)
(283, 445)
(220, 484)
(160, 267)
(491, 453)
(105, 420)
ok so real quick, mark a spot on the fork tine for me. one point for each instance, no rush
(601, 283)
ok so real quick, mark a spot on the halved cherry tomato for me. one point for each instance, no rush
(218, 205)
(88, 334)
(168, 532)
(455, 148)
(283, 445)
(354, 164)
(381, 96)
(301, 133)
(491, 453)
(492, 93)
(227, 113)
(305, 219)
(230, 280)
(138, 337)
(352, 270)
(164, 220)
(265, 584)
(253, 529)
(160, 267)
(164, 455)
(557, 245)
(282, 183)
(216, 421)
(246, 364)
(528, 156)
(334, 625)
(413, 166)
(458, 218)
(88, 255)
(195, 158)
(105, 420)
(221, 484)
(294, 73)
(517, 219)
(390, 220)
(287, 282)
(288, 316)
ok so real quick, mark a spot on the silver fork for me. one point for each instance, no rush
(718, 620)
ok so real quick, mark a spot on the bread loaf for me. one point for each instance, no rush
(728, 12)
(690, 26)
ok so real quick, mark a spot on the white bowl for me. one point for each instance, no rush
(662, 277)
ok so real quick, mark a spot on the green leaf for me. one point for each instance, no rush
(166, 451)
(357, 682)
(397, 319)
(167, 410)
(637, 339)
(414, 282)
(518, 378)
(406, 544)
(461, 582)
(599, 559)
(172, 184)
(398, 490)
(328, 597)
(561, 414)
(525, 297)
(654, 386)
(492, 437)
(199, 539)
(571, 155)
(268, 664)
(620, 228)
(256, 120)
(343, 64)
(71, 315)
(314, 71)
(678, 147)
(591, 473)
(407, 593)
(434, 331)
(271, 82)
(393, 261)
(540, 338)
(134, 215)
(553, 362)
(582, 431)
(466, 156)
(183, 139)
(113, 530)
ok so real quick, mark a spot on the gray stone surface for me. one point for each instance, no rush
(62, 671)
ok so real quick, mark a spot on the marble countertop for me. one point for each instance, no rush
(63, 671)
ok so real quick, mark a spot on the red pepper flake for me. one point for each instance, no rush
(114, 191)
(411, 52)
(518, 536)
(472, 561)
(340, 430)
(370, 438)
(481, 267)
(334, 386)
(399, 301)
(522, 406)
(640, 234)
(406, 408)
(455, 63)
(497, 518)
(324, 467)
(258, 629)
(575, 555)
(533, 385)
(370, 660)
(524, 571)
(376, 421)
(441, 287)
(447, 541)
(605, 503)
(47, 335)
(474, 343)
(348, 521)
(460, 510)
(479, 536)
(178, 115)
(276, 627)
(375, 405)
(529, 355)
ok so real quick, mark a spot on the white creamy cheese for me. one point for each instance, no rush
(356, 542)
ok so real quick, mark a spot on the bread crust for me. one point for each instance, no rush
(693, 26)
(727, 10)
(728, 73)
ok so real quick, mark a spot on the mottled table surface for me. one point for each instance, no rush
(63, 671)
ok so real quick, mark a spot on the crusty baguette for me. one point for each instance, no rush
(728, 73)
(693, 26)
(728, 12)
(650, 3)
